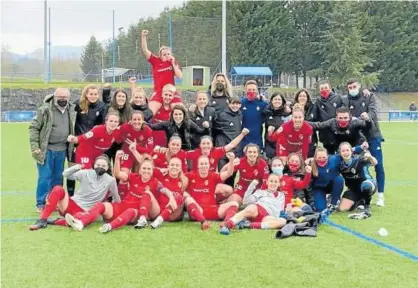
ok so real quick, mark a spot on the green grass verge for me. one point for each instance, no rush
(181, 255)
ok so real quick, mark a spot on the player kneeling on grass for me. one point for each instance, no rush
(263, 208)
(200, 198)
(361, 186)
(94, 186)
(139, 203)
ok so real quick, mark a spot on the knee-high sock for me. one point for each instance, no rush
(259, 225)
(230, 212)
(124, 218)
(145, 205)
(195, 213)
(166, 213)
(92, 214)
(56, 194)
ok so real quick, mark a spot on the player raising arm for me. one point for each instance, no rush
(164, 68)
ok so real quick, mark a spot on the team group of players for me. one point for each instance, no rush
(214, 157)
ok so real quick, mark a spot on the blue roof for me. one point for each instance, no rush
(251, 71)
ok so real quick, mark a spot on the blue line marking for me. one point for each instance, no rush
(17, 220)
(374, 241)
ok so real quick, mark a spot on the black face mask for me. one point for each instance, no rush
(220, 86)
(62, 103)
(99, 171)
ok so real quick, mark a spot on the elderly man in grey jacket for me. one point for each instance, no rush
(48, 134)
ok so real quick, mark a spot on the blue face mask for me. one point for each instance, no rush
(277, 170)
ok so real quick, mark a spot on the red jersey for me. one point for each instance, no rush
(291, 141)
(203, 189)
(161, 161)
(143, 137)
(172, 184)
(97, 140)
(137, 187)
(288, 184)
(162, 72)
(160, 137)
(216, 154)
(247, 173)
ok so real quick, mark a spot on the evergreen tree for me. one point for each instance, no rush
(91, 60)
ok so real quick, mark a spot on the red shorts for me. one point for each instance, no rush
(123, 189)
(211, 212)
(119, 208)
(163, 200)
(87, 159)
(127, 161)
(157, 96)
(72, 208)
(241, 187)
(261, 214)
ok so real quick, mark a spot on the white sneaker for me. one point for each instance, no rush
(142, 223)
(380, 200)
(157, 222)
(105, 228)
(73, 222)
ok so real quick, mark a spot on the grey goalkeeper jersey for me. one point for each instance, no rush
(272, 202)
(93, 189)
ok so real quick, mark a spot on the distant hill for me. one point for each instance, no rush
(60, 52)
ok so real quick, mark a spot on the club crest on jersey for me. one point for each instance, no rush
(166, 180)
(245, 170)
(283, 183)
(255, 172)
(206, 182)
(214, 102)
(154, 157)
(212, 160)
(231, 124)
(258, 108)
(179, 184)
(351, 107)
(322, 107)
(135, 185)
(245, 108)
(141, 138)
(271, 117)
(197, 118)
(300, 136)
(327, 170)
(311, 115)
(89, 134)
(210, 118)
(363, 104)
(334, 104)
(353, 170)
(102, 140)
(193, 181)
(97, 113)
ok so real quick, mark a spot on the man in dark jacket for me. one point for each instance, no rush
(325, 109)
(362, 106)
(344, 128)
(48, 135)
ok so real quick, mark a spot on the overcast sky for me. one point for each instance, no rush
(72, 22)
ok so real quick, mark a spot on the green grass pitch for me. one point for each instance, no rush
(181, 255)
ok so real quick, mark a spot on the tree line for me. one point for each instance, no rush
(374, 41)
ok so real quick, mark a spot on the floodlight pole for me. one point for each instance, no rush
(224, 37)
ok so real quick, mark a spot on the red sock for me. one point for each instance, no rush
(255, 225)
(123, 189)
(92, 214)
(60, 222)
(56, 194)
(166, 213)
(230, 212)
(195, 213)
(144, 205)
(230, 224)
(124, 218)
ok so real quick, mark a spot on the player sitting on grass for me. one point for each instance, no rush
(94, 186)
(263, 208)
(361, 186)
(200, 198)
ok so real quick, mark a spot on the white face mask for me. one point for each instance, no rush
(353, 92)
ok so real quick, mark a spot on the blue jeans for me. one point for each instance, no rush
(49, 174)
(335, 188)
(375, 147)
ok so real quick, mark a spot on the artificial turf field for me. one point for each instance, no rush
(181, 255)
